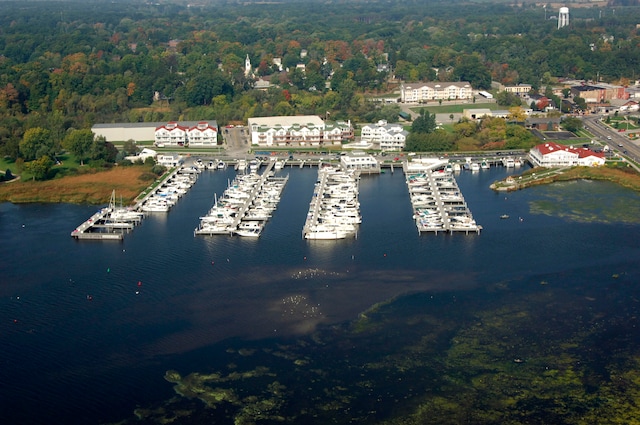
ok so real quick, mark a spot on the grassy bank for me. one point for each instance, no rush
(620, 174)
(89, 188)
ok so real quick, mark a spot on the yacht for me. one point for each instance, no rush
(484, 164)
(251, 229)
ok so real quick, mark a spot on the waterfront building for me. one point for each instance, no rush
(554, 155)
(390, 137)
(359, 161)
(298, 131)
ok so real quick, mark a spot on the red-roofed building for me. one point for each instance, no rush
(203, 134)
(171, 134)
(551, 154)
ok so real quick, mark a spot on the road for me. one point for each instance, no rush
(613, 139)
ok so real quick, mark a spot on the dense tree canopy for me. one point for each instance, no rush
(67, 65)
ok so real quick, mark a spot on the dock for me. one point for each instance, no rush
(438, 204)
(113, 222)
(245, 206)
(334, 210)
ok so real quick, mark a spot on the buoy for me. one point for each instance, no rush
(139, 283)
(385, 255)
(89, 297)
(305, 257)
(108, 269)
(212, 263)
(15, 320)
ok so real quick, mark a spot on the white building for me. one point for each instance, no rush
(307, 130)
(142, 155)
(420, 92)
(203, 134)
(169, 160)
(360, 161)
(390, 137)
(554, 155)
(171, 134)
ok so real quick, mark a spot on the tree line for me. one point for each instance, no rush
(67, 65)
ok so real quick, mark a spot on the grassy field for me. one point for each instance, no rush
(88, 188)
(434, 108)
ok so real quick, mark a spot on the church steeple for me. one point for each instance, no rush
(247, 67)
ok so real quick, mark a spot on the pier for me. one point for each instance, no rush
(113, 222)
(334, 210)
(438, 204)
(245, 206)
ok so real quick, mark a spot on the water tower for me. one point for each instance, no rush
(563, 17)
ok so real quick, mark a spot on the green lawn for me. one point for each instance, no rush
(434, 108)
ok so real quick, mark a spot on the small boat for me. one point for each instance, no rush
(504, 216)
(220, 165)
(484, 165)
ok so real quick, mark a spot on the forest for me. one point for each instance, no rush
(65, 65)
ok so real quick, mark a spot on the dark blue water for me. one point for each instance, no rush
(88, 329)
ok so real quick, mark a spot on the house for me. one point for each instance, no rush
(390, 137)
(420, 92)
(554, 155)
(300, 131)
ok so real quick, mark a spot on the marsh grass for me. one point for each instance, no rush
(92, 187)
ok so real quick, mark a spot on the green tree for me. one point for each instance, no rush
(36, 143)
(79, 143)
(505, 98)
(39, 168)
(572, 124)
(425, 123)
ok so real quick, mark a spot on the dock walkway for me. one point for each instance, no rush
(245, 206)
(438, 204)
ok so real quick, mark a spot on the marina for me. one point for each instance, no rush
(334, 210)
(245, 206)
(438, 204)
(113, 222)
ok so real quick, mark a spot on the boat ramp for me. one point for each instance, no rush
(438, 204)
(245, 206)
(334, 210)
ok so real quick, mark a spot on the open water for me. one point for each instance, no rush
(88, 329)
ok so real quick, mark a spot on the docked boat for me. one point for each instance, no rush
(250, 229)
(484, 164)
(475, 166)
(221, 165)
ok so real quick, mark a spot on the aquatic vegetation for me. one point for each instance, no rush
(516, 352)
(582, 201)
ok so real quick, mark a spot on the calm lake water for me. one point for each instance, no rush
(166, 300)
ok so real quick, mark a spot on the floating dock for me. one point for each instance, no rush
(245, 206)
(334, 210)
(438, 204)
(113, 222)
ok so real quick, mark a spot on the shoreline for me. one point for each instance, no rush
(626, 177)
